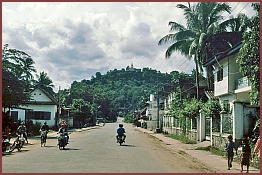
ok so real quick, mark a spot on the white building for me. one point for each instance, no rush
(232, 89)
(154, 113)
(42, 107)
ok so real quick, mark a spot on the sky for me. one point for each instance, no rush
(72, 41)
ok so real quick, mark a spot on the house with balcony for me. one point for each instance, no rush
(232, 89)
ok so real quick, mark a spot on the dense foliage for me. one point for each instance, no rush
(117, 92)
(16, 76)
(249, 55)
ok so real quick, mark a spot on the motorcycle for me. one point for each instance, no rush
(120, 140)
(21, 139)
(5, 144)
(43, 137)
(17, 144)
(62, 141)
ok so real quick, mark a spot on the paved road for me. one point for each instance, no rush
(96, 150)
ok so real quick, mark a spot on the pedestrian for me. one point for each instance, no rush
(230, 146)
(257, 148)
(245, 155)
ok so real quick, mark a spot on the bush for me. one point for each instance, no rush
(128, 118)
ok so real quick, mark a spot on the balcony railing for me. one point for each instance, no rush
(242, 82)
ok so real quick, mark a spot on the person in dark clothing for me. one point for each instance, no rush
(45, 127)
(245, 155)
(21, 130)
(230, 146)
(120, 132)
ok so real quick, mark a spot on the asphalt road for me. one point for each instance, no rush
(96, 151)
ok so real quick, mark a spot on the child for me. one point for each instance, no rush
(245, 155)
(230, 146)
(257, 148)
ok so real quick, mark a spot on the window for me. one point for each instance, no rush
(41, 115)
(220, 74)
(14, 114)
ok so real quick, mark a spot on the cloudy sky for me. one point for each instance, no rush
(73, 41)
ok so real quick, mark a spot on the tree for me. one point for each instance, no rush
(14, 69)
(13, 90)
(44, 82)
(27, 67)
(249, 55)
(201, 21)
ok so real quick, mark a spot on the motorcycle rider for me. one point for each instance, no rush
(45, 127)
(16, 144)
(120, 132)
(63, 129)
(22, 130)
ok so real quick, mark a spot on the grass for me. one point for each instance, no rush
(213, 150)
(181, 138)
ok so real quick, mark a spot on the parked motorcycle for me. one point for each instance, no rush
(43, 134)
(5, 144)
(120, 140)
(62, 141)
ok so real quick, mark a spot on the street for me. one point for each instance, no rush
(96, 150)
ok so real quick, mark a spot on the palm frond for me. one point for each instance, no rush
(193, 47)
(201, 38)
(174, 26)
(170, 38)
(183, 35)
(180, 46)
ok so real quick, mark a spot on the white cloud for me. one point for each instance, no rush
(73, 41)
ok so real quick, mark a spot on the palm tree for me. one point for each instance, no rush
(27, 67)
(44, 82)
(202, 21)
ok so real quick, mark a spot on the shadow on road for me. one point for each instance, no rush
(48, 146)
(128, 145)
(71, 149)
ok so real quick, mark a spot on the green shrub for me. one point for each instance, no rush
(183, 139)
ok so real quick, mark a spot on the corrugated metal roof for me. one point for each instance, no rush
(222, 55)
(210, 95)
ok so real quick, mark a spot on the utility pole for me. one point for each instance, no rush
(158, 127)
(58, 109)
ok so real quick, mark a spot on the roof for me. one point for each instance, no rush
(210, 95)
(222, 55)
(53, 100)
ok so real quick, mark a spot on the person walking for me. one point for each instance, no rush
(245, 155)
(230, 146)
(257, 148)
